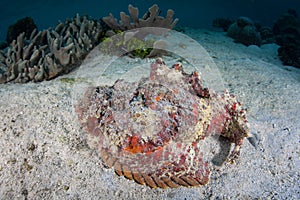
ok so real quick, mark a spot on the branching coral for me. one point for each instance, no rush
(49, 53)
(133, 42)
(132, 21)
(126, 43)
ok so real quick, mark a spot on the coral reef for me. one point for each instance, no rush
(3, 45)
(244, 31)
(222, 23)
(287, 34)
(150, 19)
(127, 43)
(133, 41)
(42, 55)
(266, 34)
(25, 25)
(154, 131)
(49, 53)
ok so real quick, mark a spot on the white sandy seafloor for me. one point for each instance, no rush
(44, 153)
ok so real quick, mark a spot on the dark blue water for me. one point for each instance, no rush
(193, 13)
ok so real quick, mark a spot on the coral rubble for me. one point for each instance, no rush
(49, 53)
(154, 131)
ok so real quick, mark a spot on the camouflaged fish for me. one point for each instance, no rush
(152, 131)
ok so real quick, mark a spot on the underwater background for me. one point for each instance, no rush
(51, 81)
(192, 13)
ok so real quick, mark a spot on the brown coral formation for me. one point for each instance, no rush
(49, 53)
(132, 21)
(137, 29)
(154, 131)
(25, 25)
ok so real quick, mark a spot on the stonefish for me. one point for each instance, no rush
(153, 130)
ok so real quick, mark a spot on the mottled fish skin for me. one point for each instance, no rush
(151, 131)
